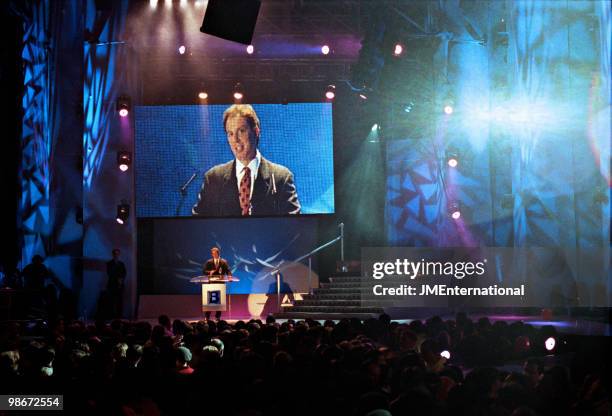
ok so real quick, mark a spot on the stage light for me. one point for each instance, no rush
(522, 344)
(448, 109)
(374, 134)
(124, 160)
(398, 49)
(123, 105)
(408, 107)
(182, 49)
(446, 354)
(363, 96)
(452, 158)
(202, 93)
(325, 49)
(250, 49)
(168, 4)
(455, 211)
(198, 3)
(238, 92)
(183, 4)
(123, 213)
(153, 3)
(550, 343)
(330, 92)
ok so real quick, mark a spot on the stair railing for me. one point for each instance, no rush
(308, 256)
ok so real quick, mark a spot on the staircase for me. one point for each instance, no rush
(340, 298)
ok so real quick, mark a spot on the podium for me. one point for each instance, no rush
(214, 294)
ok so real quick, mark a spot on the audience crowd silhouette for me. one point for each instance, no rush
(346, 367)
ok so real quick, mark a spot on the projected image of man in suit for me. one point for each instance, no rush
(250, 184)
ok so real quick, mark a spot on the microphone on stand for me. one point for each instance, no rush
(183, 192)
(183, 189)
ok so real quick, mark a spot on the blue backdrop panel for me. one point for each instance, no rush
(252, 246)
(174, 142)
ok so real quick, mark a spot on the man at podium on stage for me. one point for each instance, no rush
(216, 268)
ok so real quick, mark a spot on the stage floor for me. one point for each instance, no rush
(567, 325)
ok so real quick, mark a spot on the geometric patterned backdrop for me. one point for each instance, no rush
(108, 73)
(416, 200)
(557, 51)
(36, 138)
(534, 164)
(52, 144)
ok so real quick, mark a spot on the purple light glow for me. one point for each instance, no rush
(556, 324)
(343, 47)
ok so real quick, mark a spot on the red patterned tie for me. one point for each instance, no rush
(245, 191)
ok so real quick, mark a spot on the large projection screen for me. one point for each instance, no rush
(176, 145)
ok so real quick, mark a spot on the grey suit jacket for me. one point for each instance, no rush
(274, 192)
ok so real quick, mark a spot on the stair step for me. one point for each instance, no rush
(324, 315)
(323, 295)
(336, 299)
(336, 309)
(344, 301)
(346, 279)
(337, 291)
(340, 283)
(328, 302)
